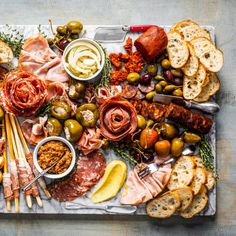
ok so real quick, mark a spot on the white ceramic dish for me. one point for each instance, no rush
(95, 77)
(54, 138)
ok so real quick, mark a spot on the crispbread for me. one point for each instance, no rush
(6, 54)
(212, 86)
(192, 86)
(163, 206)
(193, 31)
(199, 179)
(182, 173)
(198, 204)
(191, 67)
(211, 57)
(186, 197)
(177, 50)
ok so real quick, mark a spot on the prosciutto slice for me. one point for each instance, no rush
(137, 191)
(118, 118)
(55, 89)
(37, 57)
(2, 144)
(7, 188)
(89, 141)
(34, 130)
(14, 179)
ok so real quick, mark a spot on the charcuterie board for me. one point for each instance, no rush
(54, 207)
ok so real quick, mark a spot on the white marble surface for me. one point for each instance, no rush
(219, 13)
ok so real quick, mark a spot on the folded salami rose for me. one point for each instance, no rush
(22, 93)
(118, 118)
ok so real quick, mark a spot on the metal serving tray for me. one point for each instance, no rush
(54, 207)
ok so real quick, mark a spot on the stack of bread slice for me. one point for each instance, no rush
(188, 186)
(191, 49)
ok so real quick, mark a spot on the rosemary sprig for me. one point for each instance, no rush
(123, 151)
(14, 39)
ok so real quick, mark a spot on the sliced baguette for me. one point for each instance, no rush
(198, 204)
(182, 173)
(212, 86)
(192, 86)
(177, 50)
(191, 67)
(163, 206)
(6, 54)
(193, 31)
(211, 57)
(182, 24)
(186, 197)
(199, 179)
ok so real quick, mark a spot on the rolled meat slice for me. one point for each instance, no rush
(14, 179)
(7, 186)
(151, 43)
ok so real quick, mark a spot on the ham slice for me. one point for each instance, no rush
(37, 57)
(137, 191)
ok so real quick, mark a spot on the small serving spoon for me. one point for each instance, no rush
(38, 176)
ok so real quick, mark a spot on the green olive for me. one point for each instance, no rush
(150, 123)
(163, 83)
(152, 70)
(73, 130)
(191, 138)
(158, 88)
(165, 64)
(73, 94)
(1, 113)
(54, 127)
(87, 114)
(80, 87)
(60, 110)
(141, 122)
(74, 36)
(50, 41)
(149, 96)
(176, 73)
(74, 27)
(170, 88)
(177, 146)
(159, 77)
(62, 30)
(178, 92)
(169, 131)
(133, 77)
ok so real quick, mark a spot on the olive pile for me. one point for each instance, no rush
(65, 34)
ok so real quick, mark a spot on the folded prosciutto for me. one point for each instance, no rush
(89, 141)
(38, 58)
(137, 191)
(118, 118)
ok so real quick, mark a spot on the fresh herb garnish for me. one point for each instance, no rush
(41, 31)
(123, 151)
(14, 39)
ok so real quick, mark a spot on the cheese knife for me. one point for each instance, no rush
(111, 34)
(207, 107)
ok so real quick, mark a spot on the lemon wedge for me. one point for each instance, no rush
(113, 179)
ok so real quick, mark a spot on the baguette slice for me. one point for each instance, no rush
(182, 24)
(6, 54)
(163, 206)
(212, 86)
(211, 57)
(192, 86)
(198, 204)
(191, 67)
(177, 50)
(186, 197)
(210, 178)
(198, 180)
(182, 173)
(193, 31)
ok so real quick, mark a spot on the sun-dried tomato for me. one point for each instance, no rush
(118, 76)
(128, 45)
(115, 60)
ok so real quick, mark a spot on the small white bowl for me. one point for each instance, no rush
(54, 138)
(93, 78)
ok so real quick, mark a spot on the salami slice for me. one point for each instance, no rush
(129, 91)
(89, 170)
(147, 88)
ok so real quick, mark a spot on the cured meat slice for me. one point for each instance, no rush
(54, 89)
(118, 118)
(14, 179)
(129, 91)
(104, 93)
(22, 93)
(7, 189)
(89, 170)
(2, 144)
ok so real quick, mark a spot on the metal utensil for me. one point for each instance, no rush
(119, 209)
(189, 151)
(151, 168)
(39, 175)
(115, 34)
(207, 107)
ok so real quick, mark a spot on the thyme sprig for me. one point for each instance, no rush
(40, 30)
(14, 39)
